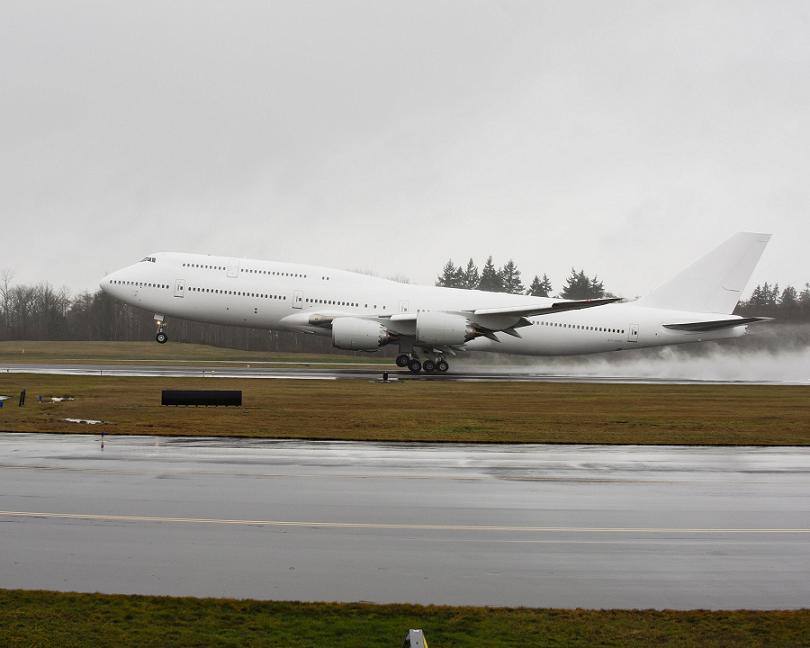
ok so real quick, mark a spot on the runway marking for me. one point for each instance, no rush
(238, 364)
(391, 526)
(113, 373)
(341, 373)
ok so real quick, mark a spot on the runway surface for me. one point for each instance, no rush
(348, 371)
(560, 526)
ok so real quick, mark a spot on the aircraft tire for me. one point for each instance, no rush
(442, 366)
(414, 365)
(429, 366)
(161, 337)
(403, 359)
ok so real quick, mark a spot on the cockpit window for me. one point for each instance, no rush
(149, 259)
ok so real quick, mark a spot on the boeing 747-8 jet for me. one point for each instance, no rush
(429, 324)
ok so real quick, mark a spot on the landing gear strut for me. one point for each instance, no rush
(161, 336)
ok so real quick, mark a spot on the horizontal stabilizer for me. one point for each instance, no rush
(713, 325)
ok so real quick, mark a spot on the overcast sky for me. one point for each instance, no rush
(623, 137)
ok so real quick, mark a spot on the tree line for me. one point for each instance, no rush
(785, 304)
(507, 279)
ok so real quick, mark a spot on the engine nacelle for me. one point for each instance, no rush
(442, 329)
(357, 334)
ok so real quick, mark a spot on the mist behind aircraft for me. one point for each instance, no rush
(771, 353)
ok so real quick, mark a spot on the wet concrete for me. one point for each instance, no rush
(349, 371)
(561, 526)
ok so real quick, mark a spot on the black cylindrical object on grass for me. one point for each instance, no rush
(205, 398)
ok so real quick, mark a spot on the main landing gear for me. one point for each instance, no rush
(436, 365)
(161, 336)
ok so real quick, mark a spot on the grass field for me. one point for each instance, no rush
(66, 619)
(27, 351)
(423, 411)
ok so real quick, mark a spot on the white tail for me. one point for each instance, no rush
(714, 283)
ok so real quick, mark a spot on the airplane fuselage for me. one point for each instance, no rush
(276, 295)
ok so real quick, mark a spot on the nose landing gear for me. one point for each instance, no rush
(161, 336)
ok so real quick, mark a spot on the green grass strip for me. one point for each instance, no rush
(34, 618)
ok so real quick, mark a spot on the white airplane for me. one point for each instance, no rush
(430, 324)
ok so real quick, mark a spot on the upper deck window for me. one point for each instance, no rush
(149, 259)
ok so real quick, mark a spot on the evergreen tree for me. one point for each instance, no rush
(597, 288)
(540, 287)
(577, 285)
(772, 294)
(789, 297)
(804, 302)
(471, 276)
(449, 277)
(510, 279)
(758, 297)
(789, 303)
(491, 279)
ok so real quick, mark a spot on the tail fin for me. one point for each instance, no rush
(714, 283)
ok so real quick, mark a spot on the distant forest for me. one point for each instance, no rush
(507, 279)
(41, 312)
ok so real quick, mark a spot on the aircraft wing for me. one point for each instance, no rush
(556, 307)
(484, 321)
(713, 325)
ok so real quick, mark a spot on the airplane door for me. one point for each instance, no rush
(403, 307)
(179, 288)
(632, 333)
(298, 299)
(233, 269)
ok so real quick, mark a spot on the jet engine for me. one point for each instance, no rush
(357, 334)
(436, 328)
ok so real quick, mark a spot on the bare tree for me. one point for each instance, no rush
(6, 277)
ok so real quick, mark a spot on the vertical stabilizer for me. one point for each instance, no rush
(714, 283)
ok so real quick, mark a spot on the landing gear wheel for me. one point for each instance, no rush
(414, 365)
(161, 337)
(429, 366)
(442, 366)
(403, 359)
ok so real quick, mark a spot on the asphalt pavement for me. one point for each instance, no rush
(348, 371)
(530, 525)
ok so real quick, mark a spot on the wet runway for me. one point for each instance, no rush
(347, 371)
(561, 526)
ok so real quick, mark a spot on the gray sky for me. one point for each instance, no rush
(623, 137)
